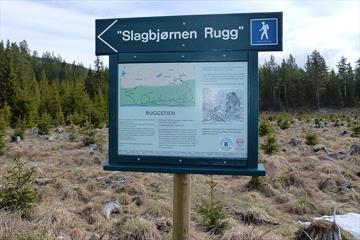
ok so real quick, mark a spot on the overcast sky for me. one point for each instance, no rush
(68, 27)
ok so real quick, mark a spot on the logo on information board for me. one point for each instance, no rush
(239, 142)
(264, 31)
(226, 144)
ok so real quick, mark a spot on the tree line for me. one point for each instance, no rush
(35, 89)
(287, 86)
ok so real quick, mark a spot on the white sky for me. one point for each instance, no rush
(68, 27)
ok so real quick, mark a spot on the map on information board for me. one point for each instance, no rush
(170, 84)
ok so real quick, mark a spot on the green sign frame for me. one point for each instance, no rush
(191, 33)
(199, 50)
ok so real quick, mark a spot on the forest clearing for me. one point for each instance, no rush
(307, 177)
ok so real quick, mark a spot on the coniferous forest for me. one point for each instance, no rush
(46, 90)
(36, 89)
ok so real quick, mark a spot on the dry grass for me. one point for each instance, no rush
(298, 185)
(12, 225)
(249, 233)
(157, 209)
(133, 188)
(134, 229)
(124, 198)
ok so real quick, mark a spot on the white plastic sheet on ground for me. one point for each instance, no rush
(350, 222)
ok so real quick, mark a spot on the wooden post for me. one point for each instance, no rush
(181, 206)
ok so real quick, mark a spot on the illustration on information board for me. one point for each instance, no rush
(146, 85)
(222, 105)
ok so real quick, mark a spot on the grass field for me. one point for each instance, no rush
(302, 181)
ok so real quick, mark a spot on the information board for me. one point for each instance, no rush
(184, 91)
(183, 109)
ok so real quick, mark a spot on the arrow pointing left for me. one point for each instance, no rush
(99, 36)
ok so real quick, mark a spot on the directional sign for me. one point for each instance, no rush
(195, 33)
(184, 91)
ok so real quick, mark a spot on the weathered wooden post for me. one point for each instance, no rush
(181, 206)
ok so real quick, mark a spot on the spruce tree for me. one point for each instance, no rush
(5, 113)
(351, 83)
(8, 80)
(99, 113)
(45, 104)
(268, 84)
(347, 82)
(45, 124)
(357, 80)
(317, 72)
(90, 86)
(2, 135)
(332, 91)
(59, 118)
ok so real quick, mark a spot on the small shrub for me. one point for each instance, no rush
(256, 182)
(89, 139)
(19, 131)
(270, 145)
(332, 117)
(5, 112)
(97, 118)
(337, 123)
(45, 124)
(16, 192)
(284, 124)
(73, 134)
(311, 139)
(356, 130)
(2, 135)
(2, 145)
(80, 119)
(59, 118)
(265, 128)
(282, 180)
(212, 211)
(89, 134)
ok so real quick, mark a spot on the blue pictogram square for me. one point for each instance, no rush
(264, 31)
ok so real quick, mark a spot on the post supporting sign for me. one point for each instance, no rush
(181, 206)
(184, 95)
